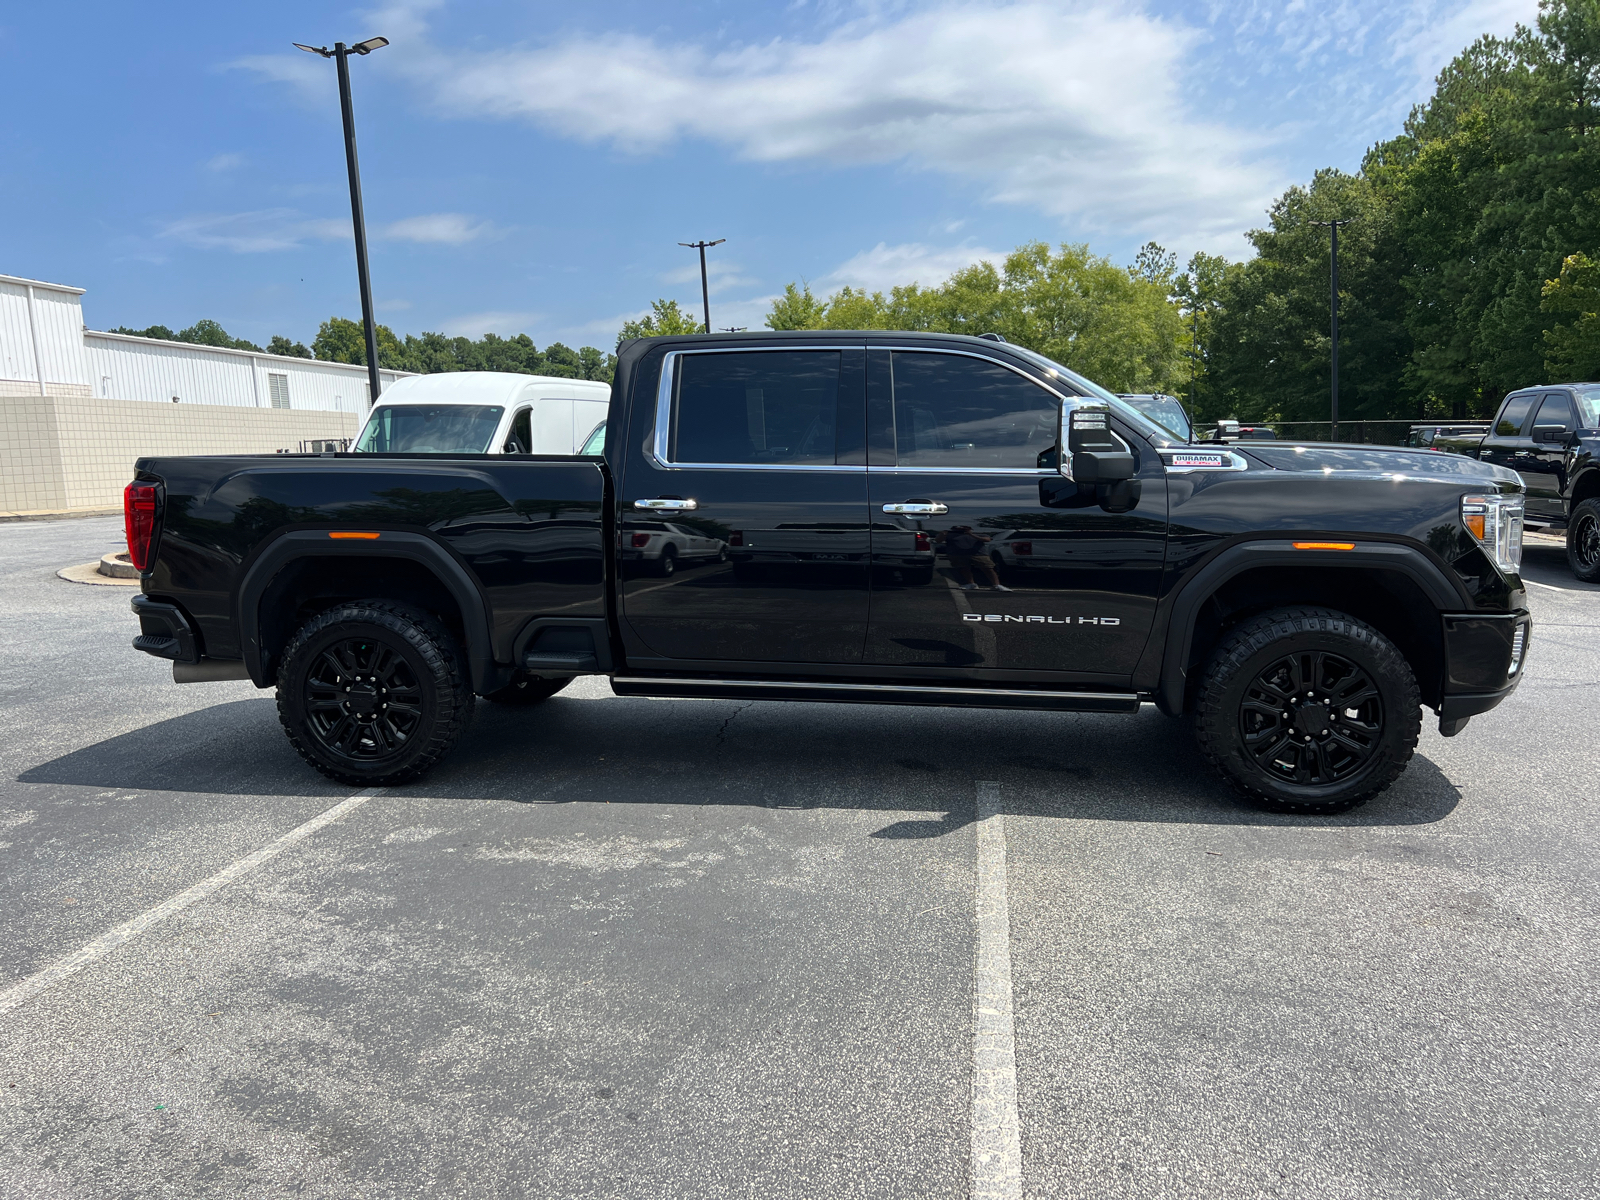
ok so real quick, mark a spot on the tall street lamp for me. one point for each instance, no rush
(705, 291)
(341, 56)
(1333, 309)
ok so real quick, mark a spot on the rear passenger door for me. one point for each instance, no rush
(761, 451)
(1550, 458)
(965, 442)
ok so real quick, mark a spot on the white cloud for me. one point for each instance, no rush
(884, 266)
(225, 162)
(721, 273)
(447, 229)
(253, 232)
(1035, 104)
(311, 79)
(475, 325)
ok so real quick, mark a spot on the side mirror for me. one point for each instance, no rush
(1093, 451)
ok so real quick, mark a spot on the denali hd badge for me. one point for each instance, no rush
(1004, 617)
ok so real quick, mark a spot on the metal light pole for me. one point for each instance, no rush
(705, 291)
(341, 56)
(1333, 309)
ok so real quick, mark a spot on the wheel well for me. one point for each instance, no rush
(1389, 601)
(308, 586)
(1587, 487)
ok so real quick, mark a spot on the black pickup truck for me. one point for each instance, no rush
(1300, 602)
(1550, 436)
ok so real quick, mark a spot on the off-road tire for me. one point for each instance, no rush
(524, 689)
(1290, 640)
(1583, 541)
(418, 663)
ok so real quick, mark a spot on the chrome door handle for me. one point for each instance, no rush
(924, 509)
(666, 502)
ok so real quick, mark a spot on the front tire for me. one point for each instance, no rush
(373, 693)
(1583, 541)
(1307, 710)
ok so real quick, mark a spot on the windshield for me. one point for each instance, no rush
(430, 429)
(1588, 409)
(595, 443)
(1122, 408)
(1165, 411)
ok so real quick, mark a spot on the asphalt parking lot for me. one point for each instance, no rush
(634, 948)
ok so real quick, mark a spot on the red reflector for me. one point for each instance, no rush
(641, 540)
(923, 543)
(139, 520)
(1022, 547)
(349, 533)
(736, 538)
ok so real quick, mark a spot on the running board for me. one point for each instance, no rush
(874, 693)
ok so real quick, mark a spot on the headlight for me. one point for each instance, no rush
(1495, 521)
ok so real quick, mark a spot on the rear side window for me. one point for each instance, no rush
(952, 411)
(773, 407)
(1514, 416)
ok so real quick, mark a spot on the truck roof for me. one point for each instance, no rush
(489, 387)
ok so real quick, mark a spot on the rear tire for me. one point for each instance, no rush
(1307, 710)
(524, 689)
(373, 693)
(1583, 541)
(667, 564)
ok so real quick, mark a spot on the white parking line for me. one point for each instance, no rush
(996, 1139)
(26, 989)
(1549, 587)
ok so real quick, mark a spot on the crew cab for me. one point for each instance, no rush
(1300, 602)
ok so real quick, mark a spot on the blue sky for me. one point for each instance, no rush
(530, 167)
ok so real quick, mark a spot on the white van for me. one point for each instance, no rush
(487, 412)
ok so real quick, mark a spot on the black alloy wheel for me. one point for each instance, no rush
(1583, 541)
(1306, 710)
(373, 693)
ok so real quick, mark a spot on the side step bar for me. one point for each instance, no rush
(875, 693)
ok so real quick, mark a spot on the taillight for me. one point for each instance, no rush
(923, 543)
(641, 540)
(736, 538)
(1022, 547)
(139, 519)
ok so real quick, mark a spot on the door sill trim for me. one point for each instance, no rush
(875, 693)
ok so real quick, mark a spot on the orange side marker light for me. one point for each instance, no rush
(1324, 545)
(350, 533)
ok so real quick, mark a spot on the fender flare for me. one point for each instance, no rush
(1446, 594)
(313, 543)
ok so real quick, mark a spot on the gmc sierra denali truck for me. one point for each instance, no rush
(1301, 603)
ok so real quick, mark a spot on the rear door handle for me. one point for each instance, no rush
(922, 507)
(675, 503)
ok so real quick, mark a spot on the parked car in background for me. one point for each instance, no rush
(1460, 437)
(485, 412)
(663, 545)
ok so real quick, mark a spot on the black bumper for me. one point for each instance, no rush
(164, 631)
(1484, 659)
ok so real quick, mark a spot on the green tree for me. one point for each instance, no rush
(797, 308)
(282, 345)
(665, 319)
(1572, 347)
(159, 332)
(340, 339)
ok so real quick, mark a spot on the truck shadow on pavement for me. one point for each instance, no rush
(920, 765)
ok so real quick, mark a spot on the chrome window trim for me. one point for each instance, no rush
(661, 438)
(1236, 462)
(1031, 472)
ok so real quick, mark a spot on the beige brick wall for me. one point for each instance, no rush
(60, 453)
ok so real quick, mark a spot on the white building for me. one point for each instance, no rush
(45, 350)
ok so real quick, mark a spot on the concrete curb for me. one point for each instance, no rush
(89, 572)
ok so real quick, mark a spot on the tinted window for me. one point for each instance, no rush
(954, 411)
(595, 443)
(767, 407)
(1589, 410)
(428, 429)
(1556, 410)
(1513, 416)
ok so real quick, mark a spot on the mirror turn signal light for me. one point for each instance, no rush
(1324, 545)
